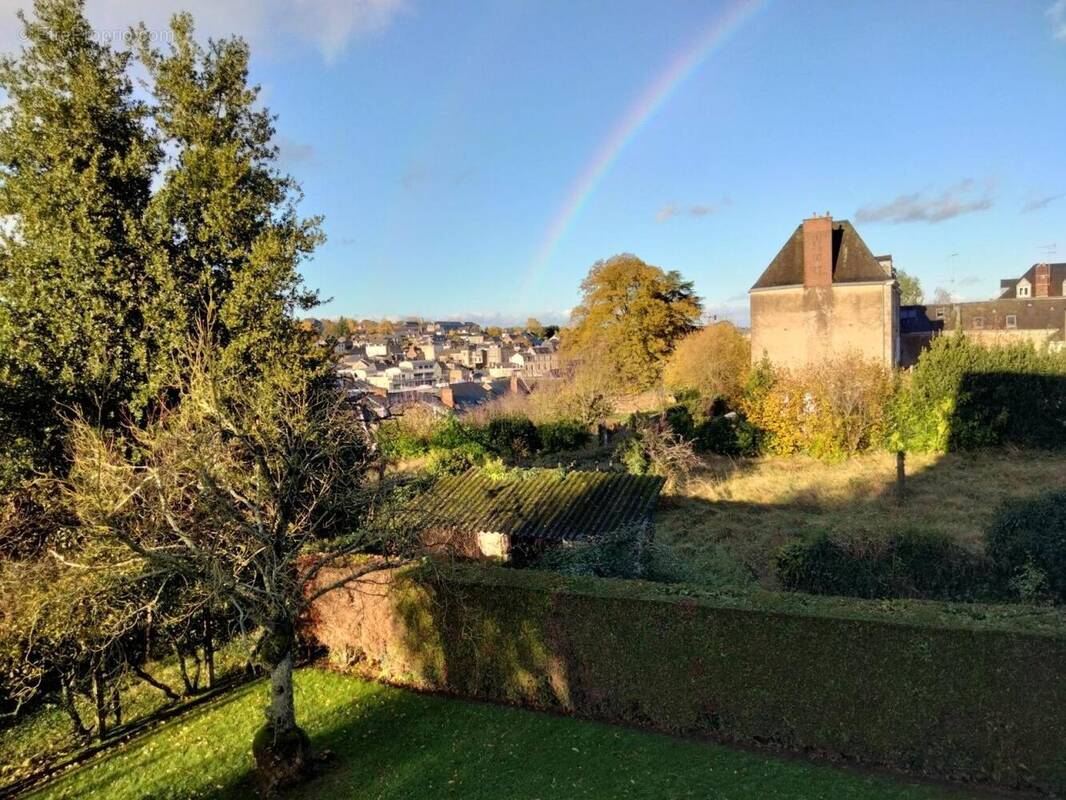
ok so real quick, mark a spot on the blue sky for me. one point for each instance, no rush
(441, 139)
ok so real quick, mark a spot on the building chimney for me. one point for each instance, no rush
(818, 251)
(447, 397)
(1043, 281)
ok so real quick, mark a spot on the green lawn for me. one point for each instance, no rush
(390, 744)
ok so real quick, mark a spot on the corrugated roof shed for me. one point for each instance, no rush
(541, 504)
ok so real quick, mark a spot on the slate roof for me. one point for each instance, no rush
(1058, 276)
(852, 260)
(541, 504)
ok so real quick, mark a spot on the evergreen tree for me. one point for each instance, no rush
(76, 164)
(223, 232)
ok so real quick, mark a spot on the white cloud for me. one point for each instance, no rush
(274, 27)
(1056, 13)
(1037, 203)
(964, 197)
(671, 210)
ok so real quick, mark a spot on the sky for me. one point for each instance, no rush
(474, 159)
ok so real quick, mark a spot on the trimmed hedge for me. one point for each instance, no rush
(1027, 541)
(959, 691)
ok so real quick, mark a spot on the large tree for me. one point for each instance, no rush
(910, 289)
(631, 315)
(223, 232)
(76, 165)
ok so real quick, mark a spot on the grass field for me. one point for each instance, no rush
(725, 525)
(389, 744)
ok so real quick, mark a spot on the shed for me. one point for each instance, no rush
(519, 514)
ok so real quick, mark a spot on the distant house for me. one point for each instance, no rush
(516, 518)
(467, 395)
(1029, 308)
(537, 362)
(823, 295)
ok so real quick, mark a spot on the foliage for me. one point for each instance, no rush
(910, 563)
(76, 164)
(871, 681)
(833, 409)
(563, 436)
(512, 437)
(712, 361)
(116, 255)
(1027, 541)
(962, 395)
(620, 553)
(630, 317)
(653, 448)
(910, 289)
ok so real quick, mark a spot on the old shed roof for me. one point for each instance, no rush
(542, 504)
(852, 260)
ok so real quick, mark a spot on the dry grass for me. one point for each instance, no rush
(728, 521)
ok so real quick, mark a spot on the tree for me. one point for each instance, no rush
(910, 289)
(76, 166)
(534, 327)
(229, 492)
(224, 237)
(631, 315)
(713, 361)
(942, 297)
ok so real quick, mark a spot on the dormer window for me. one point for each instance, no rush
(1023, 288)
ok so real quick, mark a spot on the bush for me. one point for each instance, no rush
(1027, 542)
(396, 443)
(832, 410)
(617, 554)
(909, 564)
(563, 436)
(727, 436)
(512, 436)
(962, 395)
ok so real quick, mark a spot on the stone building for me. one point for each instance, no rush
(825, 295)
(1029, 308)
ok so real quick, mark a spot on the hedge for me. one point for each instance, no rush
(959, 691)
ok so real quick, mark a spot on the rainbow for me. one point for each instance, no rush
(636, 117)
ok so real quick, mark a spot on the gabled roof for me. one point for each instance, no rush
(540, 504)
(852, 260)
(1008, 286)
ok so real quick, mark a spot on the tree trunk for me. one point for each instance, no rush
(116, 704)
(182, 668)
(209, 649)
(100, 699)
(71, 708)
(281, 749)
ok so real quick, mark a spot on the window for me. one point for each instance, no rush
(978, 322)
(1012, 320)
(1023, 290)
(940, 313)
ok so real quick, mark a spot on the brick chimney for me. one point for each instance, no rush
(447, 396)
(1043, 281)
(818, 251)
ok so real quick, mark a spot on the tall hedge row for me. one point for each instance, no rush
(964, 692)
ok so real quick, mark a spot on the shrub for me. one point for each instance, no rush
(728, 436)
(653, 448)
(962, 395)
(1027, 542)
(563, 435)
(515, 437)
(617, 554)
(454, 460)
(832, 410)
(712, 362)
(396, 443)
(909, 564)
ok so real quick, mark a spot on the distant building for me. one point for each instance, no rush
(824, 295)
(1029, 308)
